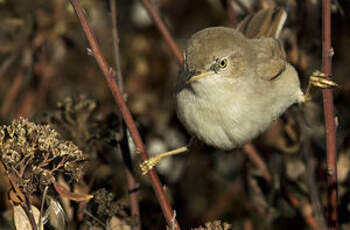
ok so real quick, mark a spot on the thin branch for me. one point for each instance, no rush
(303, 208)
(153, 12)
(133, 187)
(115, 35)
(131, 183)
(328, 106)
(258, 161)
(95, 218)
(24, 201)
(7, 63)
(305, 149)
(164, 203)
(313, 188)
(42, 205)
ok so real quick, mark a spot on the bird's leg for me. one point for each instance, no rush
(148, 164)
(318, 80)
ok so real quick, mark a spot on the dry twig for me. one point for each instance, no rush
(164, 203)
(163, 30)
(131, 183)
(327, 53)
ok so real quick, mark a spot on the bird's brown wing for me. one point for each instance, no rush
(271, 59)
(265, 23)
(264, 28)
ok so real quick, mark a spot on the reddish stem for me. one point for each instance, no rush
(131, 182)
(329, 117)
(163, 29)
(167, 211)
(258, 161)
(296, 204)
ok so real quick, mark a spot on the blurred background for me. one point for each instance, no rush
(49, 76)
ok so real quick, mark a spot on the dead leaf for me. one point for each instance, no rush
(117, 224)
(70, 195)
(21, 220)
(66, 203)
(56, 214)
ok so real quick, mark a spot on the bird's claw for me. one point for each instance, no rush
(318, 80)
(321, 80)
(148, 164)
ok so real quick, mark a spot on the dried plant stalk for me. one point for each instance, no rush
(327, 53)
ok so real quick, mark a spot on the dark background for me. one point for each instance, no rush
(44, 60)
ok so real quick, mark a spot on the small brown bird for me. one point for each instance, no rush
(235, 82)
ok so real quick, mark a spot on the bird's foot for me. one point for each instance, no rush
(318, 80)
(321, 80)
(148, 164)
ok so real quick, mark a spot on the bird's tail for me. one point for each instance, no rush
(265, 23)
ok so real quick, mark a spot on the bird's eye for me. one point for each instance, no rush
(223, 63)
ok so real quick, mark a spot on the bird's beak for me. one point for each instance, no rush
(197, 77)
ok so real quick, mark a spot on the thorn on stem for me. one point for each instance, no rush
(331, 52)
(89, 52)
(173, 221)
(112, 71)
(330, 172)
(336, 121)
(138, 151)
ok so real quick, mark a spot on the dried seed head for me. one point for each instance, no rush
(74, 119)
(35, 153)
(11, 157)
(215, 225)
(104, 207)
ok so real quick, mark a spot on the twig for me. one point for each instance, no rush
(132, 186)
(328, 106)
(164, 203)
(7, 63)
(258, 161)
(131, 183)
(303, 207)
(115, 35)
(163, 29)
(96, 219)
(29, 214)
(313, 188)
(23, 199)
(310, 160)
(42, 205)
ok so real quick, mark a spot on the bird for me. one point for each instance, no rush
(234, 83)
